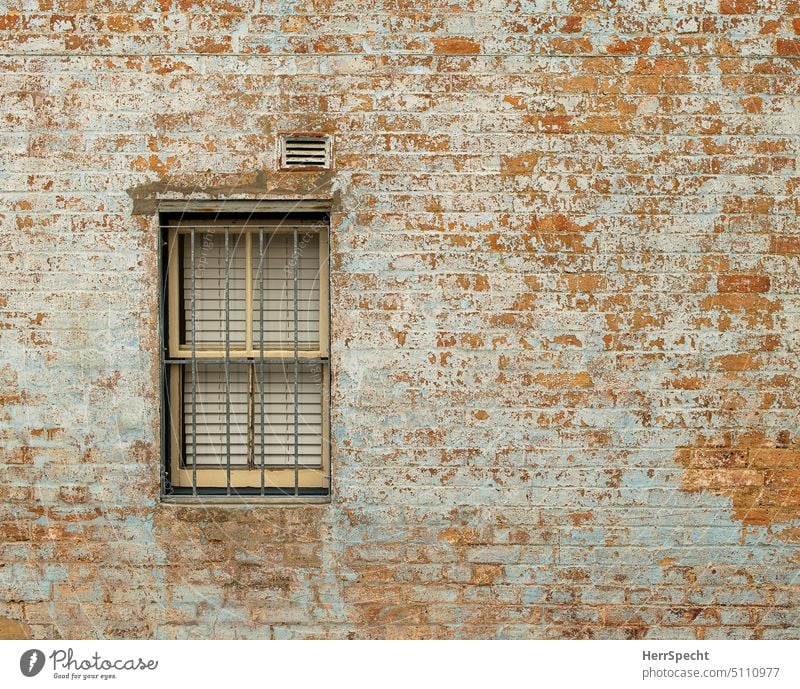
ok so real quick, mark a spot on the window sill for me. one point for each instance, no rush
(235, 501)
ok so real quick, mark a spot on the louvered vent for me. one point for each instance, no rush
(305, 151)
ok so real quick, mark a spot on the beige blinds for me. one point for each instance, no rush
(208, 420)
(279, 291)
(278, 285)
(222, 408)
(209, 291)
(205, 427)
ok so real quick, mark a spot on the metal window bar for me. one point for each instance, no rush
(296, 280)
(194, 373)
(261, 343)
(275, 360)
(227, 367)
(162, 328)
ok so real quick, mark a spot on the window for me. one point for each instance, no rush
(246, 355)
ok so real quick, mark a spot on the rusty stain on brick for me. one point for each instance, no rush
(760, 482)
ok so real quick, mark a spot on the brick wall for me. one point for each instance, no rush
(565, 256)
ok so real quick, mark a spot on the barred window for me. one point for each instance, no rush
(246, 355)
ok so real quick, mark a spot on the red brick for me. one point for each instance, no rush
(743, 283)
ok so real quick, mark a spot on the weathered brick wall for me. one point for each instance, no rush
(565, 298)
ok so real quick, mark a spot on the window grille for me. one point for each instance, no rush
(246, 355)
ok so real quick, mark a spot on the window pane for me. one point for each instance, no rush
(279, 415)
(209, 261)
(278, 282)
(211, 427)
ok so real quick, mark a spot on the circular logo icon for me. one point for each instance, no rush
(31, 662)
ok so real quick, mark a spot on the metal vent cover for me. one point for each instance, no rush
(305, 151)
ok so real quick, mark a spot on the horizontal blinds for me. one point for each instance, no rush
(279, 410)
(278, 294)
(273, 269)
(208, 425)
(209, 281)
(250, 410)
(206, 429)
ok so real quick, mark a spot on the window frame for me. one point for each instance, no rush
(252, 481)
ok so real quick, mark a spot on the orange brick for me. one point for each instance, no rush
(785, 245)
(456, 46)
(787, 46)
(743, 283)
(741, 6)
(775, 458)
(723, 458)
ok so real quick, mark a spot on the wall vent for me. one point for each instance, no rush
(305, 151)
